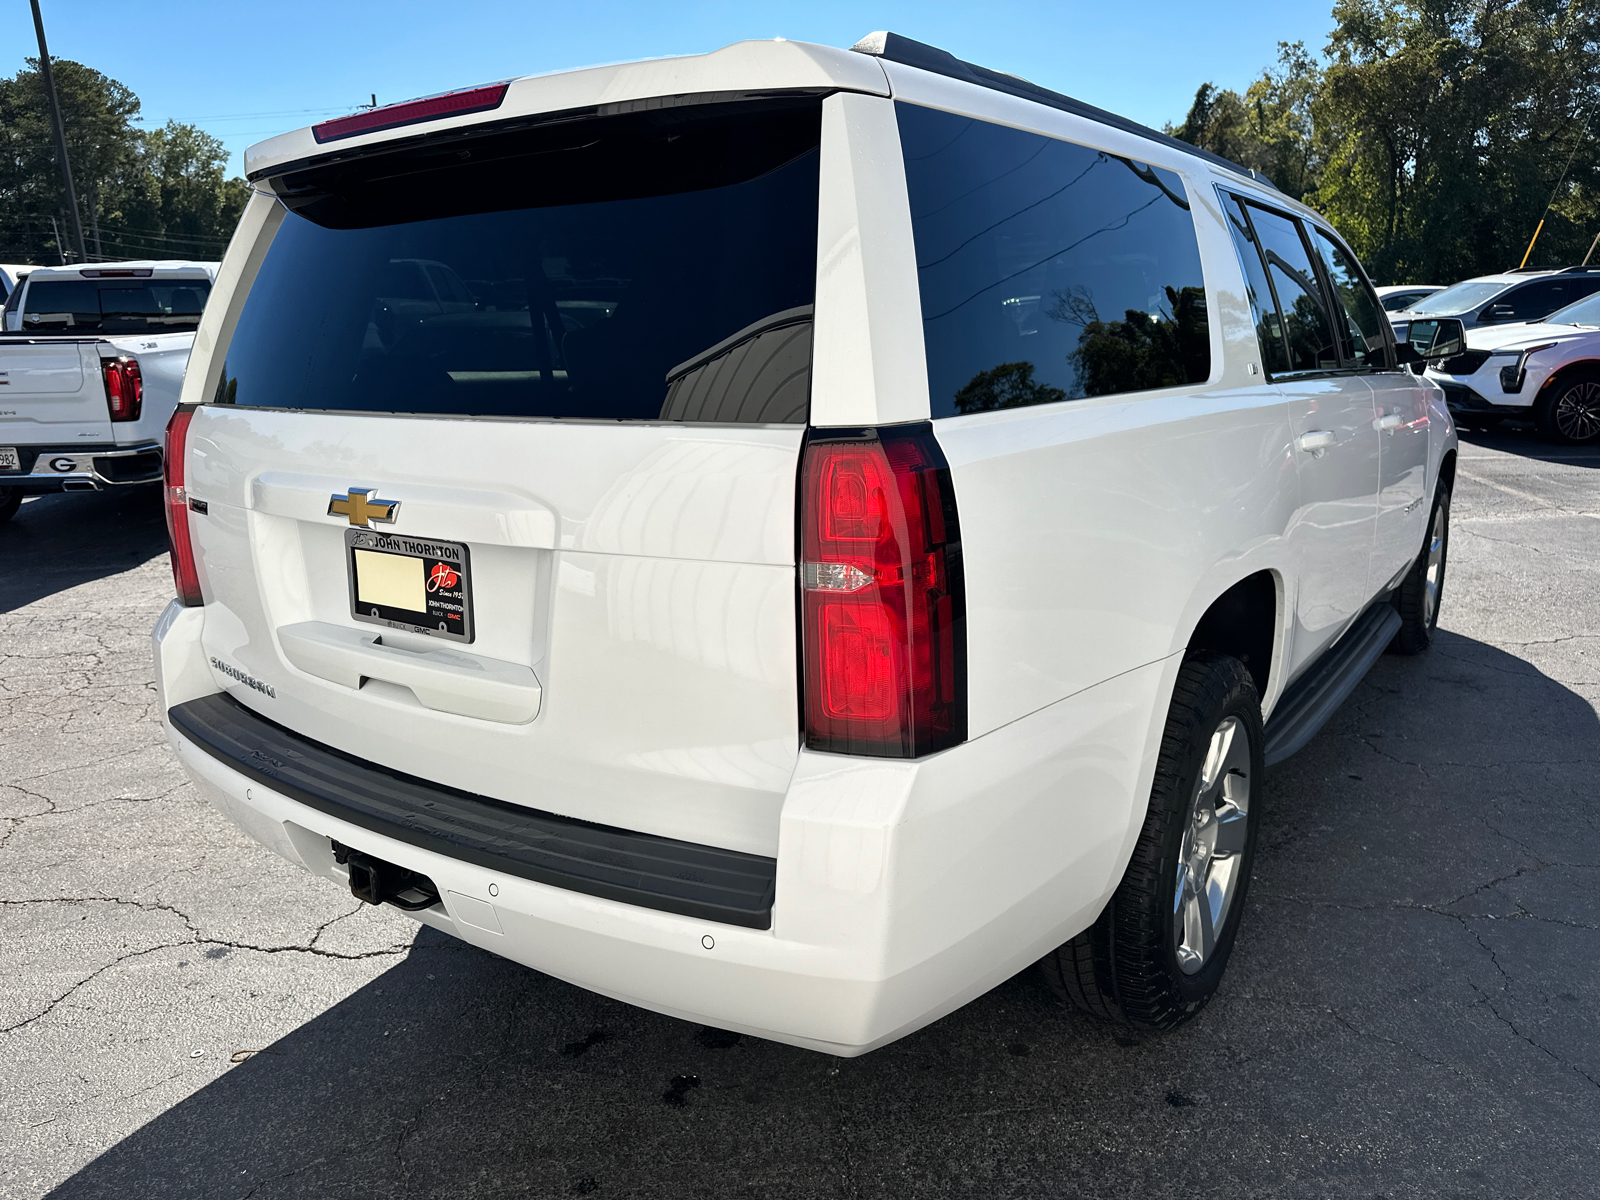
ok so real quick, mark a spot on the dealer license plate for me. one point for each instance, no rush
(9, 459)
(410, 583)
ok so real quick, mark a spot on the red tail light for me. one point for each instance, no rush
(882, 600)
(430, 108)
(185, 576)
(124, 388)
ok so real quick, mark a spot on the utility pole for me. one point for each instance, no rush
(61, 136)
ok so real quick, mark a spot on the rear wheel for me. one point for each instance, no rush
(1570, 415)
(1417, 599)
(1156, 955)
(10, 501)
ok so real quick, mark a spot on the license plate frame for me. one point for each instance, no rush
(10, 459)
(445, 572)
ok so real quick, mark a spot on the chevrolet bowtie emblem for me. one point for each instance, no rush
(360, 506)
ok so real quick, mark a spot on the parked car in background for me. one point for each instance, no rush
(90, 369)
(1397, 296)
(1547, 372)
(1516, 296)
(877, 536)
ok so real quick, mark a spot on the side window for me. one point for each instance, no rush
(1263, 308)
(1294, 281)
(1048, 271)
(1535, 300)
(1362, 333)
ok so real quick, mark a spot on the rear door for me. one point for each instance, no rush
(1332, 421)
(533, 539)
(1401, 410)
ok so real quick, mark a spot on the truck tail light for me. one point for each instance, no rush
(882, 597)
(124, 388)
(185, 575)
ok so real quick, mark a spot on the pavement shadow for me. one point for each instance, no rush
(61, 540)
(459, 1074)
(1524, 441)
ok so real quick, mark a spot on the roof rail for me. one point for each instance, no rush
(897, 48)
(1585, 270)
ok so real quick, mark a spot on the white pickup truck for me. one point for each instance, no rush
(91, 363)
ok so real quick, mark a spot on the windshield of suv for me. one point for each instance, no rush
(656, 265)
(114, 305)
(1458, 300)
(1583, 312)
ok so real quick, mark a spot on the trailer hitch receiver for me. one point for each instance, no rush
(374, 881)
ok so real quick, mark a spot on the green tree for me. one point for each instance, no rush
(1446, 124)
(161, 194)
(102, 142)
(1267, 129)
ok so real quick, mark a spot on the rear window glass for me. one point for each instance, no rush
(1048, 271)
(655, 265)
(114, 305)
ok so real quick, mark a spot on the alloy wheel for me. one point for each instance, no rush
(1213, 846)
(1577, 412)
(1433, 575)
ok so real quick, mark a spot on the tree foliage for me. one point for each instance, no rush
(1432, 133)
(157, 194)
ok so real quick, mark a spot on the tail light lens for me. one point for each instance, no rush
(185, 575)
(124, 388)
(882, 599)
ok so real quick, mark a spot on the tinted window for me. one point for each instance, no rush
(1361, 330)
(1458, 300)
(658, 265)
(1305, 321)
(1535, 300)
(1263, 308)
(1395, 301)
(114, 305)
(1585, 312)
(1048, 271)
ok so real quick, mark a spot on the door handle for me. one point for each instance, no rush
(1315, 442)
(1392, 421)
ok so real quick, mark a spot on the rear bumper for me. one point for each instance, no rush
(77, 468)
(902, 889)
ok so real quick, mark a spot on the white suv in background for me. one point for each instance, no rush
(871, 530)
(1547, 371)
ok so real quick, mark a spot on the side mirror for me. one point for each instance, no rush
(1499, 312)
(1434, 338)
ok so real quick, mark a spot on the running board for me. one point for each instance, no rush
(1317, 695)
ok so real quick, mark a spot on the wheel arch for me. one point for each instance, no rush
(1558, 377)
(1246, 621)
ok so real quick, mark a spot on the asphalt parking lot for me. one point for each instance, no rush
(1413, 1009)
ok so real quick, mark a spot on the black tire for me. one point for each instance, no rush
(1570, 414)
(10, 501)
(1125, 967)
(1419, 611)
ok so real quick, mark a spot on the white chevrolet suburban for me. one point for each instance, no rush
(91, 364)
(869, 527)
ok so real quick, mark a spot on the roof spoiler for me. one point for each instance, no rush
(894, 47)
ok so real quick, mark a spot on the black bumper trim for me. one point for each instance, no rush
(598, 860)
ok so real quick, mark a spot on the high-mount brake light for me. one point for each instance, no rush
(115, 272)
(124, 388)
(185, 574)
(411, 112)
(882, 597)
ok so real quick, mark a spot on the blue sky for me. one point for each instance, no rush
(244, 71)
